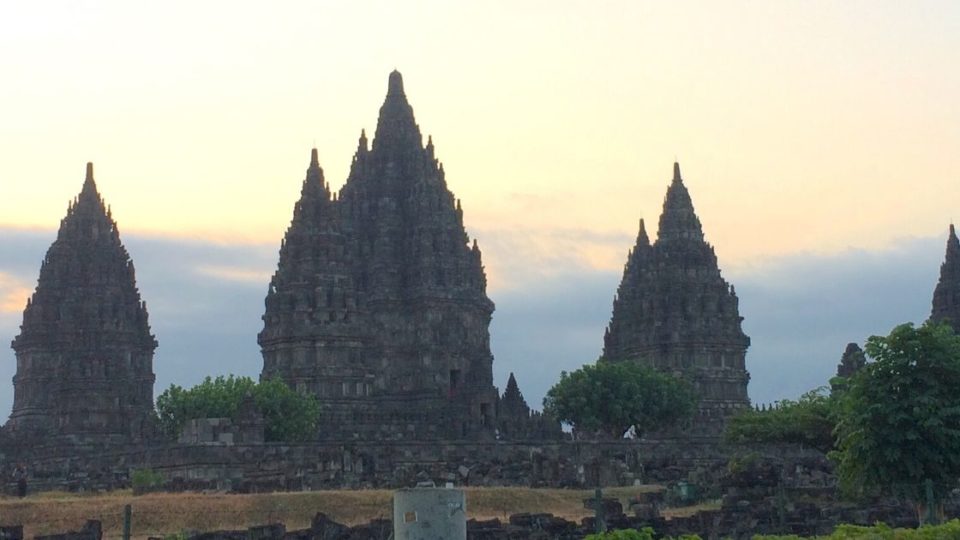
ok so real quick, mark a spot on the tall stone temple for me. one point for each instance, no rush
(85, 352)
(946, 297)
(675, 312)
(378, 306)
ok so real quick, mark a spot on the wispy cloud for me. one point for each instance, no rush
(553, 303)
(235, 273)
(13, 293)
(518, 257)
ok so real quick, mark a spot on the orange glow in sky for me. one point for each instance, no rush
(799, 126)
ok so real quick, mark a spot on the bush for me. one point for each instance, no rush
(288, 416)
(645, 533)
(145, 480)
(880, 531)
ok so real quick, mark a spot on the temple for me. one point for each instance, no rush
(378, 306)
(675, 312)
(946, 296)
(84, 352)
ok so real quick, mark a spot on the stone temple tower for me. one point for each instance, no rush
(379, 306)
(946, 297)
(675, 312)
(85, 352)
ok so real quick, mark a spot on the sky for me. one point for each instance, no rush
(819, 141)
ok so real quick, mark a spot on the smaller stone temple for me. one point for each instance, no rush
(852, 361)
(85, 351)
(946, 297)
(675, 312)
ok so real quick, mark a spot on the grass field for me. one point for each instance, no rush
(167, 513)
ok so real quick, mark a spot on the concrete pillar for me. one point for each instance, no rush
(429, 514)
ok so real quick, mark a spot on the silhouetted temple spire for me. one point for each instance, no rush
(395, 84)
(89, 185)
(85, 352)
(642, 238)
(852, 361)
(396, 128)
(946, 297)
(679, 221)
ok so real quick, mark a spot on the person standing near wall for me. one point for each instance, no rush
(20, 476)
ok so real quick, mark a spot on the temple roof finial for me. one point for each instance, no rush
(676, 172)
(89, 185)
(395, 84)
(314, 158)
(642, 238)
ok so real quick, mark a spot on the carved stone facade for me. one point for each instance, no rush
(85, 352)
(946, 297)
(379, 306)
(674, 312)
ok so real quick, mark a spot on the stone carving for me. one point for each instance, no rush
(378, 306)
(946, 297)
(85, 352)
(675, 312)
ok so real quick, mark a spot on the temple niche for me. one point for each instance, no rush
(675, 312)
(85, 351)
(378, 306)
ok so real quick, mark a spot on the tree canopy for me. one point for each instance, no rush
(808, 421)
(899, 417)
(612, 397)
(288, 416)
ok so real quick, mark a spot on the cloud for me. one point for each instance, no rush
(13, 293)
(515, 257)
(206, 298)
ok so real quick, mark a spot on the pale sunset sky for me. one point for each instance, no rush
(820, 142)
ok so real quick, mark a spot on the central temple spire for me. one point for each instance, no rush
(395, 84)
(679, 220)
(397, 130)
(89, 185)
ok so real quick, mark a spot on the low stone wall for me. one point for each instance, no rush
(314, 466)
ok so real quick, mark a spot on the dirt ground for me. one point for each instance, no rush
(161, 514)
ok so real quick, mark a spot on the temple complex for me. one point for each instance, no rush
(84, 352)
(946, 297)
(675, 312)
(378, 306)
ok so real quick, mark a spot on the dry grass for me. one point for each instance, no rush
(167, 513)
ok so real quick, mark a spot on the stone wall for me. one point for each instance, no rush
(240, 467)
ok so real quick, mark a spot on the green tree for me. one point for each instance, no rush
(898, 424)
(809, 421)
(288, 416)
(611, 397)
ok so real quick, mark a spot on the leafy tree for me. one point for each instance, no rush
(288, 416)
(809, 421)
(612, 397)
(899, 418)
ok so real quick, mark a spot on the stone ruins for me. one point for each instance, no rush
(674, 312)
(378, 307)
(85, 352)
